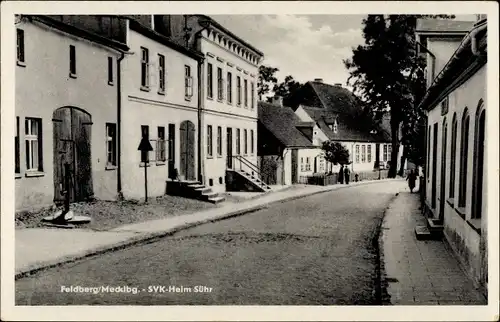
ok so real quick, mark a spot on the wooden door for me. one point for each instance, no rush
(229, 140)
(187, 147)
(171, 151)
(72, 145)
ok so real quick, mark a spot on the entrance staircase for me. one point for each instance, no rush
(193, 190)
(245, 176)
(433, 230)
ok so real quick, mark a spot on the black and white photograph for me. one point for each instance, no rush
(308, 156)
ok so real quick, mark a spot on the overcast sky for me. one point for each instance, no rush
(304, 46)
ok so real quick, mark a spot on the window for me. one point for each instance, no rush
(72, 60)
(110, 144)
(251, 142)
(253, 94)
(453, 155)
(210, 88)
(17, 147)
(386, 156)
(308, 164)
(369, 153)
(464, 153)
(363, 153)
(245, 88)
(477, 197)
(302, 167)
(20, 46)
(33, 137)
(335, 127)
(161, 145)
(389, 152)
(357, 153)
(145, 136)
(144, 68)
(161, 74)
(245, 138)
(238, 150)
(110, 70)
(238, 90)
(220, 84)
(188, 82)
(219, 141)
(209, 141)
(229, 87)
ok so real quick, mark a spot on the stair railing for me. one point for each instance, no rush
(249, 164)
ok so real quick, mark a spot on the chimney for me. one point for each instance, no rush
(318, 80)
(338, 84)
(278, 100)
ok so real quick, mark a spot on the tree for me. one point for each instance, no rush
(387, 74)
(289, 89)
(335, 152)
(266, 79)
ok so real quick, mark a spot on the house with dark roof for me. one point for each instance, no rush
(339, 116)
(455, 203)
(286, 148)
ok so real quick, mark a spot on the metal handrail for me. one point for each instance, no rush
(247, 162)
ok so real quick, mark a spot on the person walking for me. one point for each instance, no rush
(341, 174)
(346, 175)
(411, 178)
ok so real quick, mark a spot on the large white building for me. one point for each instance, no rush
(456, 104)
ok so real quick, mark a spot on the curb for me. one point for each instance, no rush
(146, 238)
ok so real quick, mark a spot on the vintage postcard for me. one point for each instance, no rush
(249, 160)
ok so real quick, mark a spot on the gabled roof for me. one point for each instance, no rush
(336, 98)
(444, 26)
(281, 122)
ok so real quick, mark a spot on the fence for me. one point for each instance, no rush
(329, 179)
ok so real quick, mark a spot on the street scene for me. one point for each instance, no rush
(201, 160)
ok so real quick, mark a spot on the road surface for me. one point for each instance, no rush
(316, 250)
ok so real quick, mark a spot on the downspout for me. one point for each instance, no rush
(118, 125)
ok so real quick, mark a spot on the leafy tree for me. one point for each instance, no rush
(266, 79)
(335, 152)
(387, 74)
(289, 89)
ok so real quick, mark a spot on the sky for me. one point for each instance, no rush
(304, 46)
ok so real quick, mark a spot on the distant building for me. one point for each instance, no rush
(456, 116)
(339, 115)
(65, 104)
(286, 148)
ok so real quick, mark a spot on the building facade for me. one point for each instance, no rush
(66, 99)
(456, 173)
(228, 95)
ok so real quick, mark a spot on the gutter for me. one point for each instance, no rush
(470, 39)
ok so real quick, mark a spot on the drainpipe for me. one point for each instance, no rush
(118, 125)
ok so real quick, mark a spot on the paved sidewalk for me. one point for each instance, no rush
(421, 272)
(38, 248)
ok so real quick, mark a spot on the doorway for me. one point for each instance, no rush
(187, 145)
(72, 128)
(229, 160)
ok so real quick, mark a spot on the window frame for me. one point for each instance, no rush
(356, 154)
(20, 47)
(210, 85)
(111, 139)
(245, 94)
(161, 149)
(238, 90)
(252, 142)
(464, 159)
(219, 141)
(229, 89)
(110, 71)
(220, 84)
(38, 138)
(145, 81)
(252, 88)
(238, 142)
(72, 61)
(188, 83)
(210, 150)
(369, 153)
(161, 74)
(363, 153)
(245, 141)
(453, 158)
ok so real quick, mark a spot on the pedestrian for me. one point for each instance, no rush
(346, 175)
(411, 178)
(341, 174)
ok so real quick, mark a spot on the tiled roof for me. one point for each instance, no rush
(281, 122)
(444, 25)
(336, 98)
